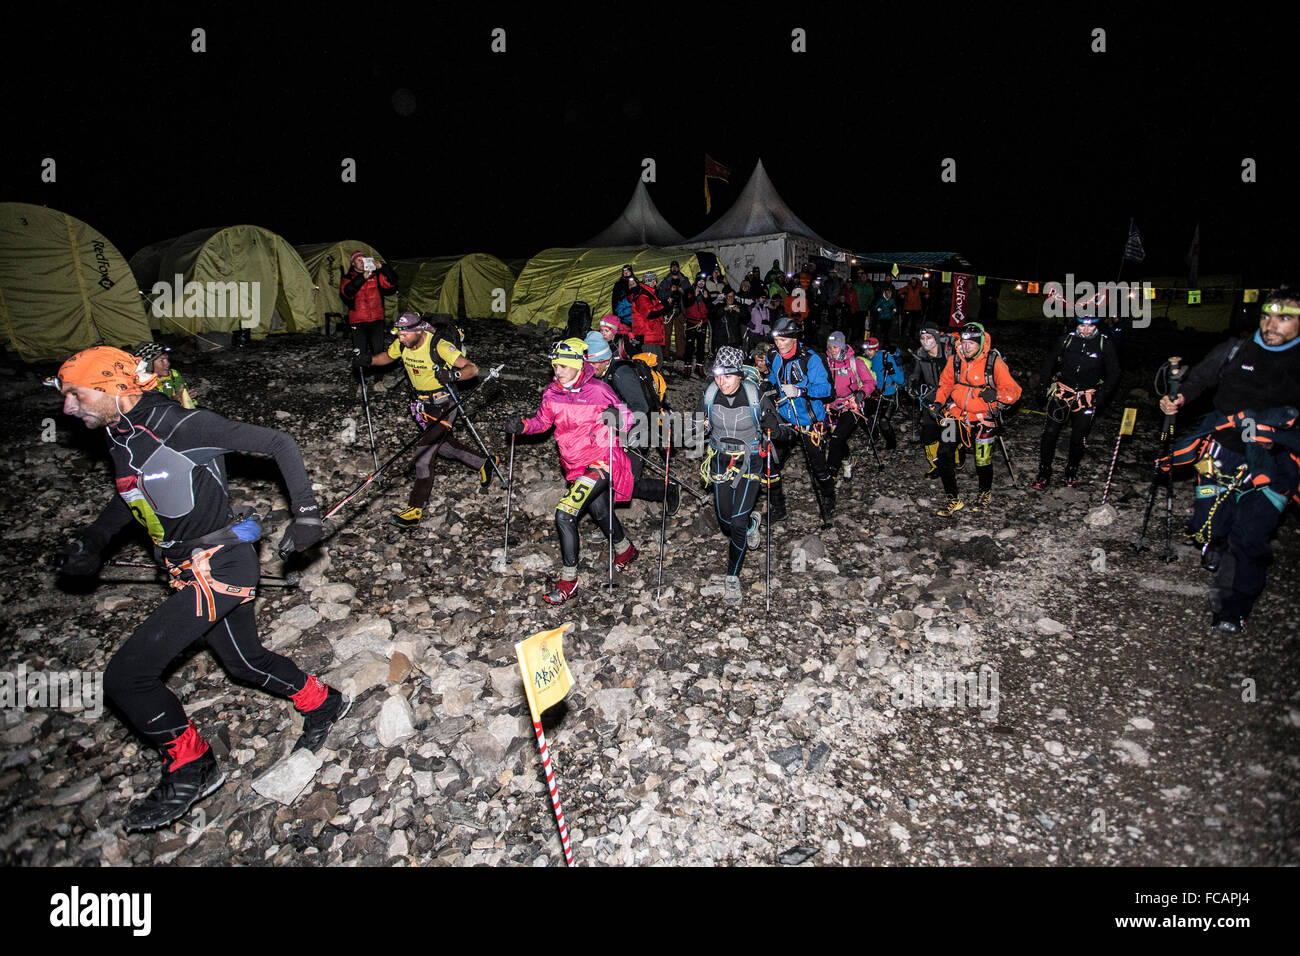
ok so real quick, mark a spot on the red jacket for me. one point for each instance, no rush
(647, 314)
(365, 297)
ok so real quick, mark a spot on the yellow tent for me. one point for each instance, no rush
(63, 286)
(472, 286)
(328, 263)
(555, 278)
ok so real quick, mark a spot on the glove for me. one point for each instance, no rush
(359, 360)
(938, 410)
(515, 426)
(452, 374)
(73, 558)
(791, 391)
(989, 394)
(305, 530)
(770, 420)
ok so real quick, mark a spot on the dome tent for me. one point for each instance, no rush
(63, 286)
(464, 286)
(554, 278)
(255, 266)
(328, 263)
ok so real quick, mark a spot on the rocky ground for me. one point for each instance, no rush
(1104, 724)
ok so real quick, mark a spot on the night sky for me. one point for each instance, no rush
(1056, 146)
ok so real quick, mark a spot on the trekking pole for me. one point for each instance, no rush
(663, 521)
(658, 470)
(365, 401)
(510, 489)
(1125, 428)
(270, 580)
(1175, 372)
(610, 429)
(1002, 443)
(767, 519)
(880, 465)
(378, 472)
(871, 435)
(492, 373)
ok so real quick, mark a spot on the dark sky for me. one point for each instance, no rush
(1056, 146)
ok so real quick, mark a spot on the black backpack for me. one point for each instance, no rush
(645, 376)
(579, 320)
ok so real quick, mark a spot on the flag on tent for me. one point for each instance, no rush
(713, 170)
(1133, 247)
(1194, 259)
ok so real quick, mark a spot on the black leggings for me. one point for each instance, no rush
(697, 337)
(734, 502)
(438, 440)
(982, 439)
(133, 678)
(839, 443)
(368, 337)
(1080, 423)
(589, 493)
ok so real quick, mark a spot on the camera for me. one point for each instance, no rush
(368, 264)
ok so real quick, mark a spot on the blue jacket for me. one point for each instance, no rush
(806, 370)
(889, 383)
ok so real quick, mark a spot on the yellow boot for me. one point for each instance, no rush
(951, 506)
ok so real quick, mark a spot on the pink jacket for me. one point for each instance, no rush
(849, 374)
(580, 430)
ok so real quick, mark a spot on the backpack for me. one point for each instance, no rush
(653, 387)
(988, 365)
(579, 320)
(751, 393)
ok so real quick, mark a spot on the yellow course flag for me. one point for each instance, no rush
(1251, 295)
(546, 675)
(1127, 422)
(945, 276)
(894, 271)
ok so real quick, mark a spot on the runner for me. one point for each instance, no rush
(888, 377)
(574, 404)
(169, 465)
(923, 382)
(1089, 376)
(974, 383)
(1246, 454)
(737, 418)
(169, 380)
(432, 350)
(852, 382)
(801, 377)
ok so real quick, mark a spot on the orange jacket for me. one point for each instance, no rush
(963, 394)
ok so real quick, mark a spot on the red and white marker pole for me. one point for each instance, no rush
(555, 796)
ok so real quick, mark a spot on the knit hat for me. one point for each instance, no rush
(612, 322)
(837, 339)
(871, 343)
(597, 348)
(650, 278)
(150, 352)
(728, 361)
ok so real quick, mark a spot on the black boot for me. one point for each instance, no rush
(827, 500)
(778, 503)
(316, 723)
(177, 791)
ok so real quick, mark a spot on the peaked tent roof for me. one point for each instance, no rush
(759, 210)
(640, 224)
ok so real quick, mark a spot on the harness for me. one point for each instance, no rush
(735, 451)
(1072, 399)
(245, 530)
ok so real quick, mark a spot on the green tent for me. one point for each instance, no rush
(63, 286)
(328, 263)
(555, 278)
(473, 286)
(237, 269)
